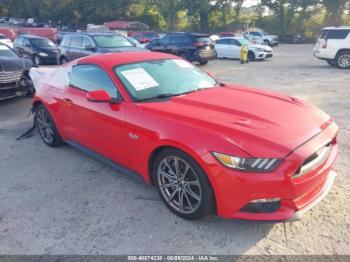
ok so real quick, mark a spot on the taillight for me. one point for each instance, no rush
(197, 44)
(324, 45)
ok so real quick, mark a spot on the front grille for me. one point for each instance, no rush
(314, 161)
(10, 76)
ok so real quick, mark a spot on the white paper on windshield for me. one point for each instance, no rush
(183, 63)
(139, 79)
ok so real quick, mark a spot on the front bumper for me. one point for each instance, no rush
(14, 89)
(235, 190)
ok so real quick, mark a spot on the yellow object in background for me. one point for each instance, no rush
(244, 54)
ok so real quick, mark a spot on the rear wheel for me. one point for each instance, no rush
(203, 62)
(37, 60)
(342, 59)
(182, 185)
(46, 127)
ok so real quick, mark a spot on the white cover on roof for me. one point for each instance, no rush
(57, 77)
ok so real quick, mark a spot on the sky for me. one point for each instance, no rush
(249, 3)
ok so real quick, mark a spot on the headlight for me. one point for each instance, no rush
(42, 54)
(259, 165)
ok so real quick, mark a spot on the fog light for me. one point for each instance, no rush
(264, 205)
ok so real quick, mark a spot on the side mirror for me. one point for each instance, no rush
(101, 96)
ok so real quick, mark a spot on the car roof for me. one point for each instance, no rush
(93, 34)
(337, 28)
(185, 33)
(114, 59)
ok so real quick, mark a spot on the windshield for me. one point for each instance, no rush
(7, 52)
(41, 42)
(111, 41)
(153, 79)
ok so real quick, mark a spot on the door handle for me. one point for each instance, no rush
(68, 101)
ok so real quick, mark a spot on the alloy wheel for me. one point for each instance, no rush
(179, 184)
(45, 126)
(344, 61)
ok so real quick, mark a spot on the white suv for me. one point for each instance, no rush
(334, 46)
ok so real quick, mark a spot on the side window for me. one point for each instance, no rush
(87, 42)
(234, 42)
(19, 41)
(165, 40)
(65, 41)
(223, 41)
(337, 34)
(26, 42)
(176, 40)
(76, 41)
(92, 78)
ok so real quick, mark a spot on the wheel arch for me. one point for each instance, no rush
(342, 50)
(156, 151)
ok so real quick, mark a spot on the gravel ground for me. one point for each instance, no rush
(60, 201)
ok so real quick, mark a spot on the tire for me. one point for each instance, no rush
(203, 62)
(342, 59)
(331, 62)
(192, 189)
(37, 60)
(251, 56)
(46, 127)
(63, 60)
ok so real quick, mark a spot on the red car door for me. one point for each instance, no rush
(99, 127)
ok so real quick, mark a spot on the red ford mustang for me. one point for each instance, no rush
(206, 146)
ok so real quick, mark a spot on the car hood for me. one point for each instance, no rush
(261, 123)
(14, 64)
(265, 47)
(123, 49)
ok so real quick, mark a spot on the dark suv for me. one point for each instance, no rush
(40, 49)
(74, 46)
(190, 46)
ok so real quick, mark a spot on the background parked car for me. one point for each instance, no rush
(14, 78)
(193, 47)
(230, 47)
(292, 39)
(40, 49)
(74, 46)
(334, 46)
(271, 40)
(5, 40)
(145, 38)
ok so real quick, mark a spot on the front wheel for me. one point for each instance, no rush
(182, 185)
(342, 60)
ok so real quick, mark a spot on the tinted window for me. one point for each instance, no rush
(92, 78)
(26, 42)
(223, 41)
(203, 40)
(65, 41)
(177, 39)
(165, 40)
(337, 34)
(255, 33)
(76, 41)
(41, 42)
(234, 42)
(3, 37)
